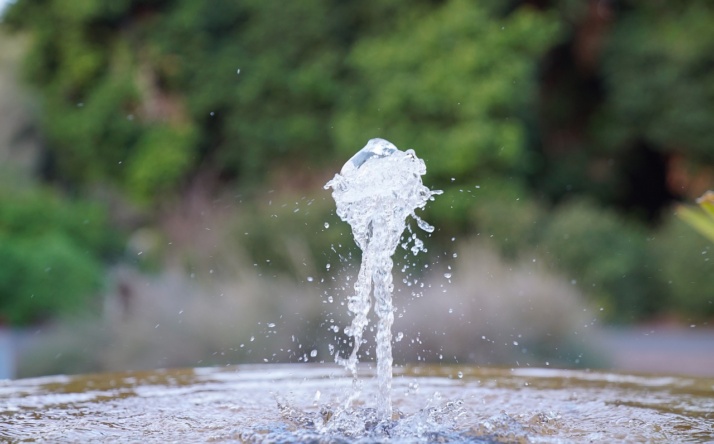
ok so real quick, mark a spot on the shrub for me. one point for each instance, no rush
(50, 255)
(508, 219)
(608, 257)
(44, 275)
(687, 264)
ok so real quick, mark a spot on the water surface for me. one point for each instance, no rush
(296, 402)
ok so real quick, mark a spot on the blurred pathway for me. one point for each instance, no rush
(659, 349)
(7, 354)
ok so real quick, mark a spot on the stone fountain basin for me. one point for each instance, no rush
(240, 404)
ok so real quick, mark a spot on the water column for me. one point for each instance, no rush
(375, 192)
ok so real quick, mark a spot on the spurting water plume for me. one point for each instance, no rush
(375, 192)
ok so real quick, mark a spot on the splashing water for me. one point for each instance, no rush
(375, 192)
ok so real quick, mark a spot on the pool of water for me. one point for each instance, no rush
(302, 403)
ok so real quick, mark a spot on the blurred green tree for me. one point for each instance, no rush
(659, 70)
(453, 81)
(142, 94)
(626, 93)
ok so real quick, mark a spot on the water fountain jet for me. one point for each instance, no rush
(375, 192)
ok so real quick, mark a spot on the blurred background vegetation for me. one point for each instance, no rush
(162, 163)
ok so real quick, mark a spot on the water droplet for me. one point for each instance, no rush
(447, 275)
(310, 279)
(238, 71)
(460, 375)
(515, 342)
(313, 353)
(271, 325)
(327, 225)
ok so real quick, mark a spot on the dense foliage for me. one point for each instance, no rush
(453, 82)
(166, 88)
(659, 70)
(565, 128)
